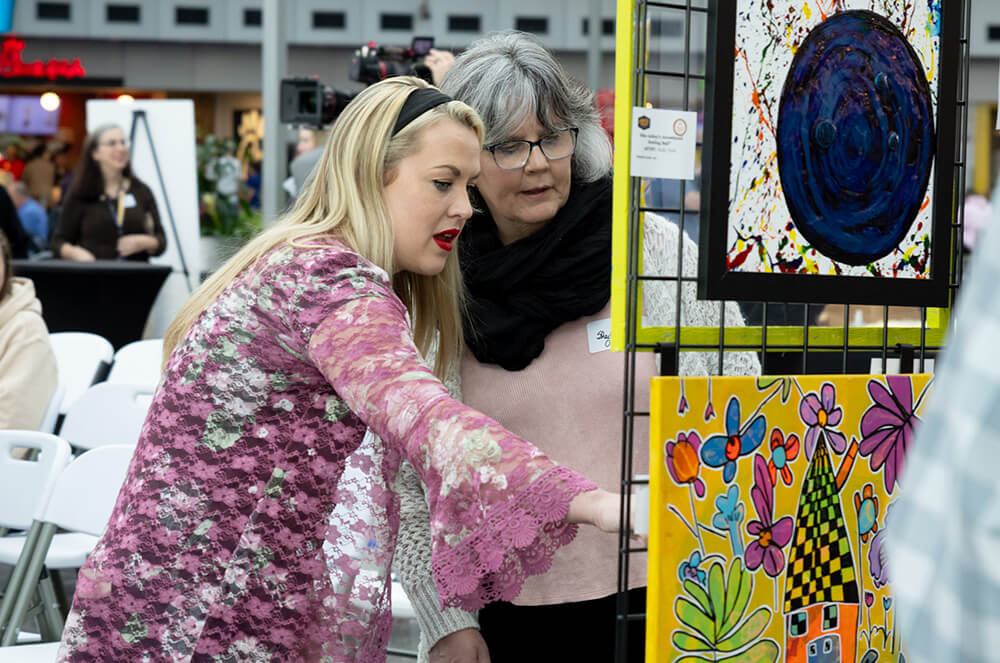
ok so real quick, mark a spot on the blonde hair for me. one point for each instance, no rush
(345, 200)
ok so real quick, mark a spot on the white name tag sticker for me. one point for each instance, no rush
(129, 200)
(599, 335)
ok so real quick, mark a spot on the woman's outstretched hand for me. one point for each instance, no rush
(465, 646)
(600, 508)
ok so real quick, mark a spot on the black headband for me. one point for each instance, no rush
(419, 102)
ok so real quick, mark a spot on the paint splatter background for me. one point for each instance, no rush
(762, 237)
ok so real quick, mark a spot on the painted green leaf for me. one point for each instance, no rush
(717, 592)
(737, 597)
(765, 651)
(692, 659)
(732, 589)
(687, 642)
(698, 593)
(763, 382)
(749, 631)
(692, 616)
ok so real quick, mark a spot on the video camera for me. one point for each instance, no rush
(307, 101)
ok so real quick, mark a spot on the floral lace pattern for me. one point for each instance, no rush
(237, 537)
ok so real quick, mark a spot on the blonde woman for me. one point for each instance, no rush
(220, 546)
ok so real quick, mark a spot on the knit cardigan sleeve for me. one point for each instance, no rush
(662, 244)
(412, 561)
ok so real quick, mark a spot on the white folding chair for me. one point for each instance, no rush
(81, 502)
(36, 653)
(81, 358)
(138, 362)
(107, 413)
(25, 487)
(51, 416)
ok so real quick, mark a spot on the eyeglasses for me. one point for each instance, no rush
(514, 154)
(114, 142)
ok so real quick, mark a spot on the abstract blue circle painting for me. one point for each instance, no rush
(855, 137)
(832, 147)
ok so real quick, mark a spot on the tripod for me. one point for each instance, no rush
(138, 115)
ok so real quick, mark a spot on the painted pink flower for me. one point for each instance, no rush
(887, 427)
(771, 536)
(821, 413)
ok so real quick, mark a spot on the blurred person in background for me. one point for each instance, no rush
(11, 159)
(28, 374)
(34, 219)
(536, 258)
(18, 238)
(108, 212)
(978, 215)
(307, 153)
(40, 175)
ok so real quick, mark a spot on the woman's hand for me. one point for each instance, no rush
(601, 509)
(439, 62)
(132, 244)
(465, 646)
(77, 253)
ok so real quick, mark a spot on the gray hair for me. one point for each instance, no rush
(509, 76)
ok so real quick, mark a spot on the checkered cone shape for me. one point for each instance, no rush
(820, 564)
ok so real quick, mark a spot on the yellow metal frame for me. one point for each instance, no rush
(937, 319)
(624, 66)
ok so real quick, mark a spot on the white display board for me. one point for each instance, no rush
(172, 136)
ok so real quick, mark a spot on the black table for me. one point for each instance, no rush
(107, 297)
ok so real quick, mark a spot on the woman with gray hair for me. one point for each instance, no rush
(536, 259)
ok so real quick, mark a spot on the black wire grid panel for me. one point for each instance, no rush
(669, 56)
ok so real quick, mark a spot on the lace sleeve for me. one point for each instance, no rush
(660, 257)
(497, 505)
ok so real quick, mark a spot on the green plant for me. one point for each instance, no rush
(714, 613)
(222, 213)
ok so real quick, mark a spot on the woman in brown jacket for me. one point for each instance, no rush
(109, 213)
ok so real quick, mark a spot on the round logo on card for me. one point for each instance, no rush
(680, 127)
(643, 122)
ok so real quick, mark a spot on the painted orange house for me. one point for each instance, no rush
(821, 588)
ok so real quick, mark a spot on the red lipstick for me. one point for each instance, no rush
(446, 239)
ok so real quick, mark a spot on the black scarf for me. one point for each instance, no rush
(519, 293)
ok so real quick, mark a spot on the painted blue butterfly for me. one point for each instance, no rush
(724, 450)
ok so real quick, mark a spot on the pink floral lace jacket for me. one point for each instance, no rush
(235, 536)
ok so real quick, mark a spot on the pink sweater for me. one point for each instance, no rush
(569, 403)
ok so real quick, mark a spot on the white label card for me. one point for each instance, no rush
(663, 143)
(599, 335)
(129, 200)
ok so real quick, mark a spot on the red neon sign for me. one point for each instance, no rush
(12, 66)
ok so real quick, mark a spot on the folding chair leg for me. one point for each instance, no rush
(27, 588)
(60, 588)
(17, 575)
(50, 620)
